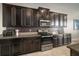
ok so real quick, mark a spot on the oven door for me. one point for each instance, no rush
(46, 40)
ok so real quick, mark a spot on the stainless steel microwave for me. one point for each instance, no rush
(44, 22)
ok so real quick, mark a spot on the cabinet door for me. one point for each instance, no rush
(36, 44)
(56, 20)
(68, 38)
(65, 40)
(65, 20)
(23, 17)
(60, 40)
(6, 15)
(29, 16)
(18, 16)
(16, 50)
(61, 19)
(27, 45)
(36, 18)
(52, 19)
(6, 48)
(55, 40)
(26, 16)
(13, 16)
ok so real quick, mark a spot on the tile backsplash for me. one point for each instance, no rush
(21, 29)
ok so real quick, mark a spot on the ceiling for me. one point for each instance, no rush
(57, 7)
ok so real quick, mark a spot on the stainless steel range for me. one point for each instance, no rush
(46, 41)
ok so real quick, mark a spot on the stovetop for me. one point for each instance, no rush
(47, 36)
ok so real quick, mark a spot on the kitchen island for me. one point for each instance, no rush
(17, 45)
(74, 49)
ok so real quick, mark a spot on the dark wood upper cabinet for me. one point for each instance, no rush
(60, 20)
(6, 15)
(44, 12)
(11, 16)
(18, 16)
(61, 24)
(26, 16)
(36, 18)
(65, 20)
(29, 16)
(56, 19)
(52, 19)
(23, 17)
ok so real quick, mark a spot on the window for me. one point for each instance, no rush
(76, 24)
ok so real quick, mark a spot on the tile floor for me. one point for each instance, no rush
(59, 51)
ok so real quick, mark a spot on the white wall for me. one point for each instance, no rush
(1, 28)
(71, 9)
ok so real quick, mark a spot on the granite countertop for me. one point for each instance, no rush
(20, 36)
(74, 47)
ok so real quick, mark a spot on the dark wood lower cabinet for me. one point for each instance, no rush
(55, 41)
(5, 48)
(18, 46)
(27, 45)
(31, 45)
(36, 45)
(60, 40)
